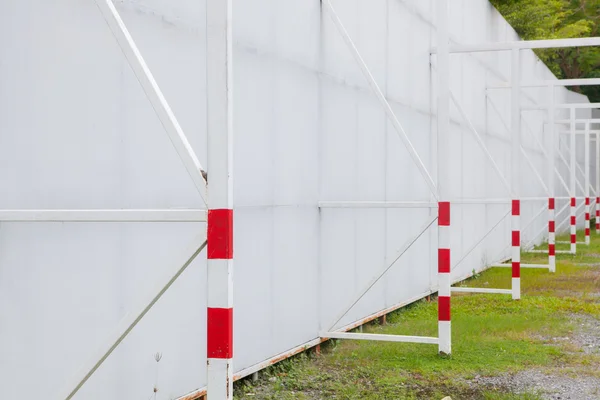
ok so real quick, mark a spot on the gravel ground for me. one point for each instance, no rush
(587, 337)
(557, 385)
(551, 387)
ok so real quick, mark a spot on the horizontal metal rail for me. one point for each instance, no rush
(564, 105)
(522, 45)
(550, 83)
(546, 251)
(379, 337)
(592, 132)
(480, 290)
(377, 204)
(540, 266)
(103, 215)
(579, 121)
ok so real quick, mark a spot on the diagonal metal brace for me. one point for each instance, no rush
(154, 94)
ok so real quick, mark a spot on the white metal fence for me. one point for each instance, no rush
(319, 176)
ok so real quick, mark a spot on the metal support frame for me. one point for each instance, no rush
(377, 204)
(103, 216)
(220, 202)
(348, 204)
(515, 86)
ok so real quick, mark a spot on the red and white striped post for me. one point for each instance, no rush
(572, 184)
(587, 220)
(220, 200)
(443, 144)
(516, 171)
(551, 235)
(551, 183)
(516, 250)
(597, 215)
(573, 225)
(444, 321)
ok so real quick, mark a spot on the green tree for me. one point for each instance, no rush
(558, 19)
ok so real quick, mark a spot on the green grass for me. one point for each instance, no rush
(491, 335)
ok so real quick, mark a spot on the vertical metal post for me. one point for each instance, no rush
(587, 182)
(572, 184)
(443, 145)
(597, 183)
(516, 171)
(551, 184)
(220, 200)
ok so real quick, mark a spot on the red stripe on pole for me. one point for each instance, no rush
(516, 269)
(551, 250)
(220, 333)
(516, 238)
(444, 261)
(573, 222)
(573, 201)
(444, 213)
(573, 239)
(220, 234)
(551, 226)
(587, 231)
(551, 203)
(587, 216)
(598, 200)
(444, 308)
(516, 207)
(587, 201)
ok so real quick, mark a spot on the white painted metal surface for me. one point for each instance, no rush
(521, 45)
(103, 215)
(481, 290)
(380, 338)
(77, 131)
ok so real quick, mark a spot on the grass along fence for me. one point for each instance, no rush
(502, 349)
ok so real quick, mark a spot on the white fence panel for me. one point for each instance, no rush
(76, 131)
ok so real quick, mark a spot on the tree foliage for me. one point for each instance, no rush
(559, 19)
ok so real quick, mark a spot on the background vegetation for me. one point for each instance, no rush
(557, 19)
